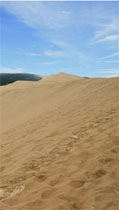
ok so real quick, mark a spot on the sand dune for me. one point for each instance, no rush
(59, 144)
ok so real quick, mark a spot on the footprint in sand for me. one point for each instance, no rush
(114, 150)
(77, 183)
(99, 173)
(106, 160)
(41, 177)
(75, 205)
(47, 193)
(56, 180)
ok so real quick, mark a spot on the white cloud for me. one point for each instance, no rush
(67, 28)
(109, 72)
(32, 54)
(23, 52)
(107, 28)
(39, 14)
(54, 53)
(57, 16)
(10, 70)
(110, 56)
(107, 38)
(66, 12)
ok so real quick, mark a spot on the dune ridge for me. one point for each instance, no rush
(59, 144)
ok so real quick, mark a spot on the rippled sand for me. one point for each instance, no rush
(59, 144)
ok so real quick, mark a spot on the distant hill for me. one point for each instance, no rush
(7, 78)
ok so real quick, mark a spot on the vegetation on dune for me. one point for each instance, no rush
(7, 78)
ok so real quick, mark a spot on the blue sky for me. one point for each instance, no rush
(45, 38)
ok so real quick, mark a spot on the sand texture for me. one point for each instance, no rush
(59, 144)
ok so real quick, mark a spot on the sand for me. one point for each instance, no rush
(59, 144)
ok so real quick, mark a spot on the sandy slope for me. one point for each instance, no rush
(59, 144)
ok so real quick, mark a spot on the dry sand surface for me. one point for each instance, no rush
(59, 144)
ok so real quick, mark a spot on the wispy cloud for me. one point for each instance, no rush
(63, 30)
(32, 54)
(54, 53)
(111, 56)
(10, 70)
(109, 72)
(34, 14)
(22, 51)
(107, 28)
(66, 12)
(107, 38)
(51, 63)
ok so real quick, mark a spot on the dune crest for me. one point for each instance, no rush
(61, 77)
(59, 144)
